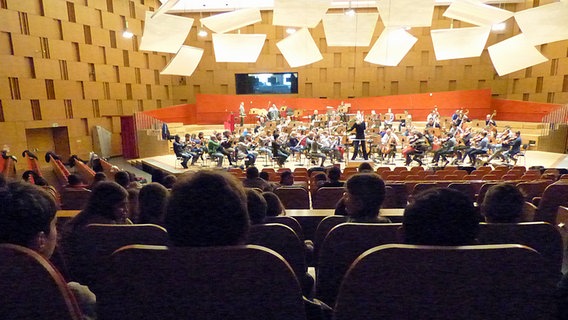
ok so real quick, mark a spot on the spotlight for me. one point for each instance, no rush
(350, 12)
(202, 33)
(499, 26)
(127, 33)
(290, 30)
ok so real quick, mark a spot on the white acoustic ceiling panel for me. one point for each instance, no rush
(225, 22)
(475, 12)
(391, 47)
(459, 43)
(544, 24)
(184, 62)
(343, 30)
(237, 47)
(406, 13)
(299, 49)
(164, 8)
(299, 13)
(514, 54)
(164, 33)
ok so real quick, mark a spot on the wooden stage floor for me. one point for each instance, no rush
(167, 163)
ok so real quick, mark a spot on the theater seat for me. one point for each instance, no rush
(426, 282)
(32, 288)
(293, 198)
(239, 282)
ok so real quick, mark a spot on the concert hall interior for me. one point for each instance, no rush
(424, 93)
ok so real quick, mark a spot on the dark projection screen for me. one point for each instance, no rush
(267, 83)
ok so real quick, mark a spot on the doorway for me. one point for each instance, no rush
(42, 140)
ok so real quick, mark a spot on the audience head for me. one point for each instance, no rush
(264, 175)
(99, 176)
(27, 217)
(440, 217)
(252, 172)
(152, 203)
(133, 203)
(287, 178)
(169, 181)
(73, 180)
(364, 195)
(122, 178)
(334, 174)
(365, 167)
(503, 203)
(207, 209)
(256, 205)
(274, 205)
(108, 200)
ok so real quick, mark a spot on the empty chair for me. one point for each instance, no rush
(327, 197)
(237, 282)
(289, 222)
(74, 199)
(421, 187)
(342, 246)
(32, 288)
(532, 189)
(541, 236)
(293, 198)
(324, 227)
(87, 259)
(429, 282)
(553, 196)
(465, 188)
(390, 198)
(399, 190)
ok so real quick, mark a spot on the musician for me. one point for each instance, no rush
(482, 148)
(314, 148)
(213, 147)
(418, 146)
(242, 113)
(260, 123)
(279, 152)
(505, 138)
(273, 113)
(489, 122)
(265, 143)
(242, 151)
(179, 150)
(359, 127)
(434, 116)
(389, 141)
(447, 148)
(456, 116)
(328, 147)
(226, 140)
(389, 118)
(515, 148)
(432, 123)
(191, 148)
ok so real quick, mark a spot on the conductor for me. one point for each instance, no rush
(359, 127)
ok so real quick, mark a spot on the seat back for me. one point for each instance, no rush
(531, 189)
(327, 197)
(283, 240)
(293, 198)
(324, 227)
(289, 222)
(239, 282)
(87, 257)
(465, 188)
(427, 282)
(541, 236)
(342, 246)
(32, 288)
(74, 199)
(553, 196)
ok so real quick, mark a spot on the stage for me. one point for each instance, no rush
(168, 164)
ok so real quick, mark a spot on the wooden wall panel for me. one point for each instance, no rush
(83, 108)
(46, 68)
(91, 53)
(56, 9)
(67, 89)
(88, 16)
(117, 91)
(78, 71)
(51, 110)
(17, 110)
(105, 73)
(114, 57)
(44, 27)
(111, 21)
(30, 6)
(63, 50)
(93, 90)
(33, 89)
(108, 107)
(72, 33)
(100, 36)
(10, 21)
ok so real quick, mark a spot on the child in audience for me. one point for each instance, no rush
(503, 203)
(274, 205)
(27, 218)
(256, 205)
(363, 198)
(152, 203)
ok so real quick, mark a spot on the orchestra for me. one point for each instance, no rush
(338, 134)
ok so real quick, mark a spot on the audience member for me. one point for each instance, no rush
(152, 204)
(169, 181)
(365, 167)
(207, 209)
(333, 176)
(440, 217)
(319, 179)
(253, 180)
(122, 178)
(274, 205)
(503, 203)
(286, 179)
(256, 205)
(74, 182)
(27, 218)
(133, 212)
(99, 176)
(364, 195)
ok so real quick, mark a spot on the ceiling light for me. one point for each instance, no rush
(290, 30)
(127, 33)
(499, 26)
(350, 12)
(202, 33)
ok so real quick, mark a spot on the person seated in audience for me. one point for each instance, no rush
(42, 183)
(207, 209)
(169, 181)
(363, 198)
(99, 176)
(503, 203)
(74, 182)
(333, 176)
(256, 205)
(108, 204)
(253, 180)
(286, 179)
(440, 217)
(274, 205)
(152, 203)
(28, 219)
(123, 179)
(365, 167)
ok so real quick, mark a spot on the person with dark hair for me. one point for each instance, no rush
(274, 205)
(278, 151)
(179, 150)
(440, 217)
(122, 178)
(206, 209)
(152, 203)
(286, 179)
(169, 181)
(74, 182)
(256, 205)
(253, 180)
(365, 167)
(27, 218)
(363, 198)
(503, 203)
(333, 176)
(319, 179)
(133, 212)
(99, 177)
